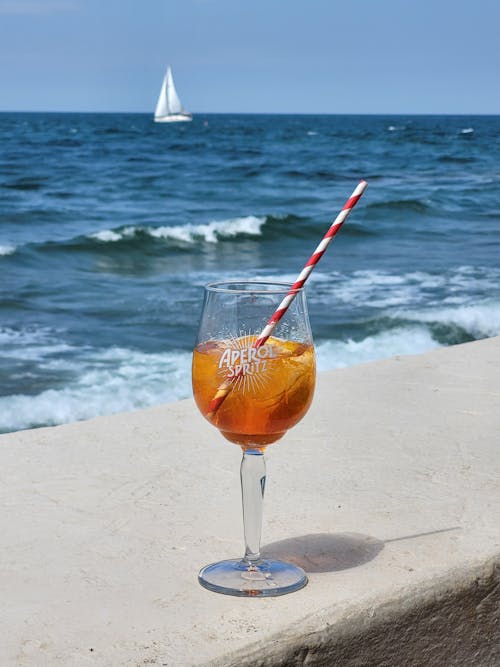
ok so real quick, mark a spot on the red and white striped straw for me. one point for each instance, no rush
(313, 260)
(225, 387)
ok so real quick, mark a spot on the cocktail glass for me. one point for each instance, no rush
(253, 392)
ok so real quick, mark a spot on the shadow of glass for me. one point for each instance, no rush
(325, 552)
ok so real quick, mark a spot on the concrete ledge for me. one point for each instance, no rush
(455, 621)
(387, 493)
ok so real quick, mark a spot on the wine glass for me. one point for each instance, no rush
(253, 389)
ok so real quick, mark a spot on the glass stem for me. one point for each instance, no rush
(253, 481)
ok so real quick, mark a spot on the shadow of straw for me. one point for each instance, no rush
(327, 552)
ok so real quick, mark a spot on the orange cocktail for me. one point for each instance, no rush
(253, 381)
(271, 386)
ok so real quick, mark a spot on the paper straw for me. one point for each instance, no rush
(225, 387)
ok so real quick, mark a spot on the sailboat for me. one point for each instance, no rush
(169, 107)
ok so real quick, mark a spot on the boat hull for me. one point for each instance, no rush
(174, 118)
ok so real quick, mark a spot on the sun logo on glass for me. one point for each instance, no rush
(246, 366)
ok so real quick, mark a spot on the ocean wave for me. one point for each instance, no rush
(269, 227)
(479, 320)
(7, 250)
(387, 291)
(95, 382)
(107, 382)
(39, 348)
(396, 294)
(120, 379)
(213, 231)
(209, 232)
(143, 237)
(452, 307)
(25, 336)
(110, 236)
(396, 341)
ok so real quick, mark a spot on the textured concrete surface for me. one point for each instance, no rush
(387, 494)
(452, 622)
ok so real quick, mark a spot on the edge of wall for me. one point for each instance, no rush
(454, 620)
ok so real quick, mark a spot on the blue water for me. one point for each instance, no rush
(110, 225)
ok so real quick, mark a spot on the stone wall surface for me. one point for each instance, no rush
(387, 493)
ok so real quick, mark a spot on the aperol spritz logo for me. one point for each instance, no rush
(246, 365)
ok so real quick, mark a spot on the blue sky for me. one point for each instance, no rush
(291, 56)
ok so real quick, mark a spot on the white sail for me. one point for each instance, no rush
(173, 101)
(169, 106)
(161, 105)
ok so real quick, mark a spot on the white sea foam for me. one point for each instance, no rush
(449, 298)
(109, 381)
(400, 340)
(480, 320)
(7, 249)
(106, 235)
(383, 290)
(209, 232)
(99, 381)
(29, 338)
(120, 379)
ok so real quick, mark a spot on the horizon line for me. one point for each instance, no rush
(262, 113)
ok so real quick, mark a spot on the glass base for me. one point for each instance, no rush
(264, 578)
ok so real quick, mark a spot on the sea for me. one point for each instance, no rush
(110, 226)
